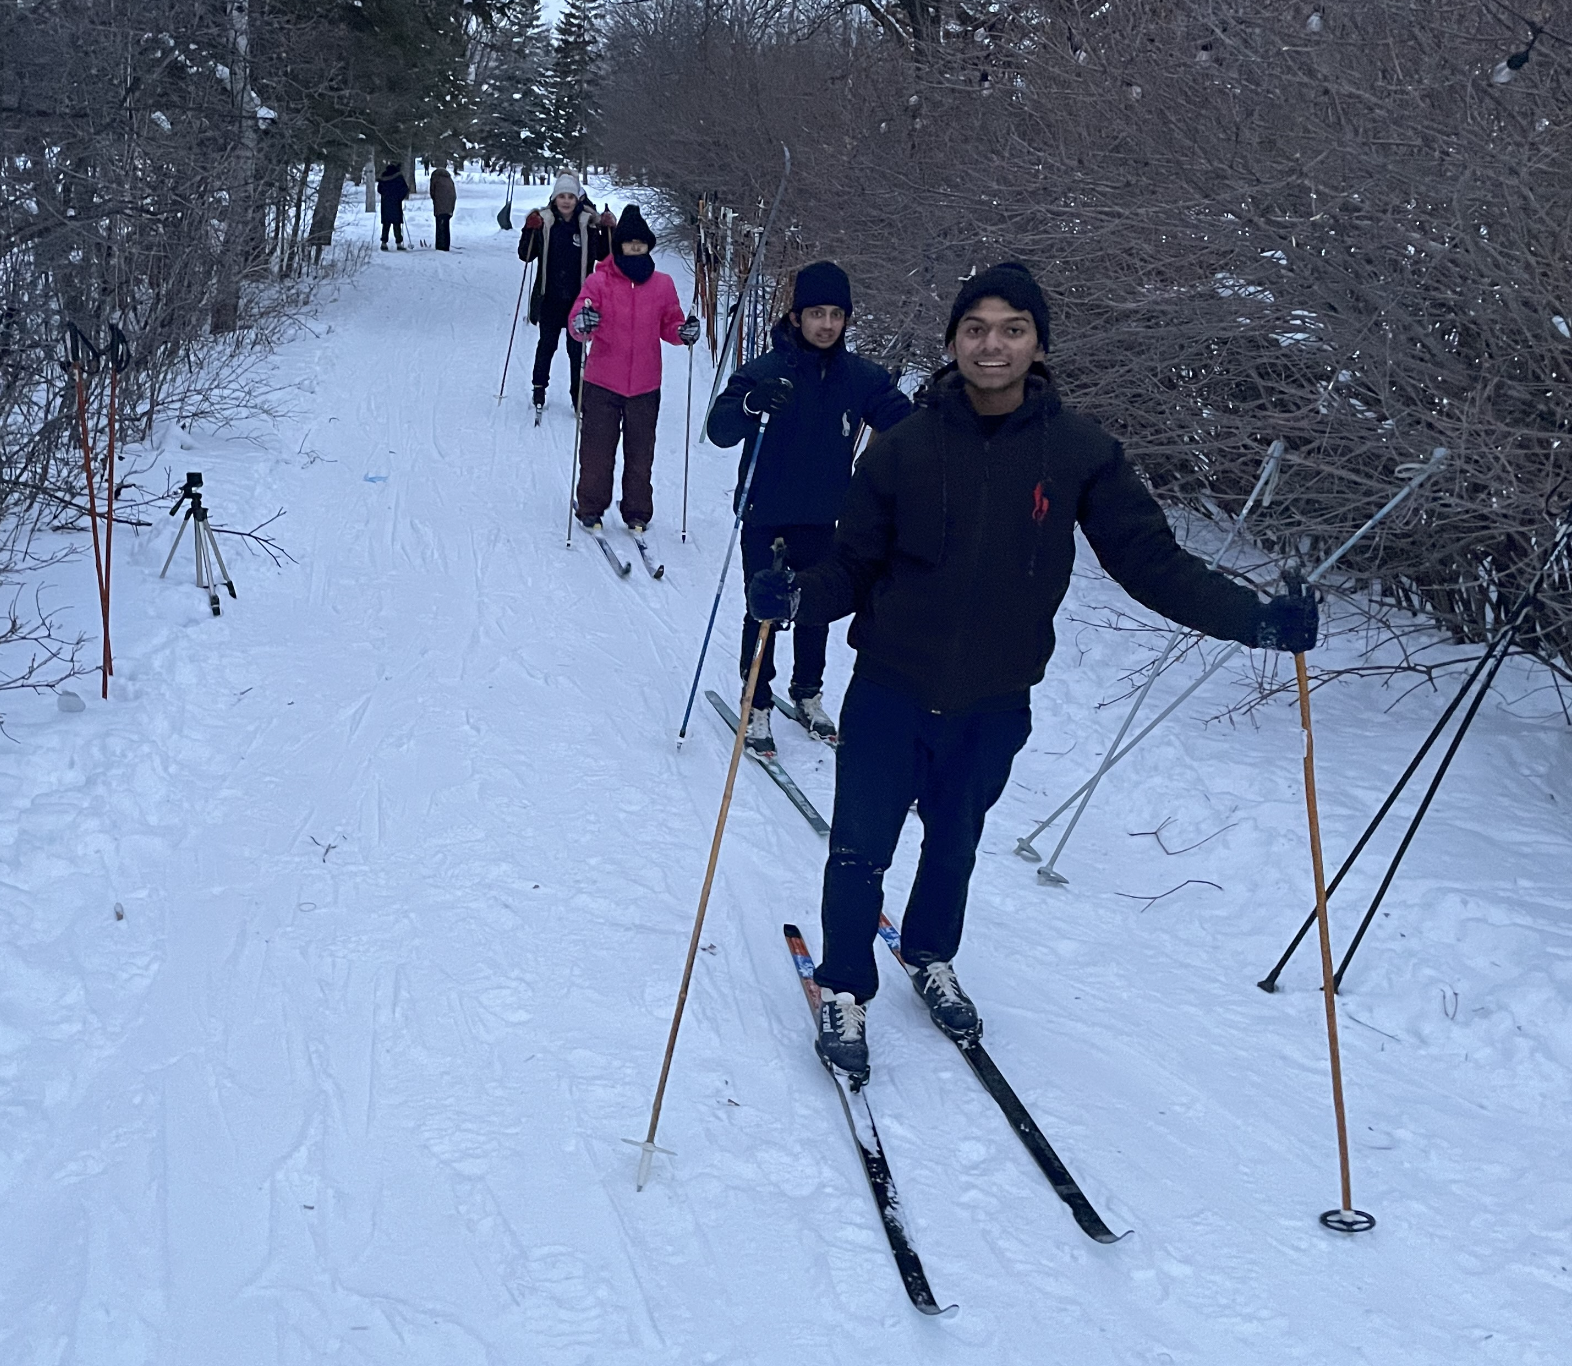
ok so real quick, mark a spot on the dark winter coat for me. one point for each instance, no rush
(444, 193)
(393, 190)
(805, 462)
(567, 250)
(955, 548)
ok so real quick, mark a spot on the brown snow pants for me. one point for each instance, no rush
(608, 415)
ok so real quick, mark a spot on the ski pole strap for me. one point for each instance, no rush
(119, 350)
(83, 355)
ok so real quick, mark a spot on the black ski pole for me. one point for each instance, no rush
(731, 545)
(1269, 982)
(1495, 652)
(1509, 635)
(524, 276)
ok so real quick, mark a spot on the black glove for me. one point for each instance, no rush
(588, 318)
(688, 333)
(1288, 622)
(773, 595)
(767, 396)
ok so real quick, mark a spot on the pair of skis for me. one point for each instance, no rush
(623, 568)
(865, 1133)
(771, 765)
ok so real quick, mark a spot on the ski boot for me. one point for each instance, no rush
(760, 740)
(842, 1041)
(538, 401)
(817, 721)
(591, 525)
(948, 1006)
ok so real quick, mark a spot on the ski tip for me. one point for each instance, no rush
(948, 1312)
(791, 931)
(660, 572)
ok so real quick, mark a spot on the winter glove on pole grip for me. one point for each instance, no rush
(1290, 621)
(688, 333)
(772, 593)
(767, 396)
(588, 318)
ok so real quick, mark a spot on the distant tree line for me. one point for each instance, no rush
(1343, 225)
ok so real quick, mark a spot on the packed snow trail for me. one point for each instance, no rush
(407, 858)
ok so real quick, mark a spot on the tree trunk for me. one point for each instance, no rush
(239, 228)
(324, 213)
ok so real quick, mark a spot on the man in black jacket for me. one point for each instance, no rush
(819, 395)
(954, 551)
(568, 238)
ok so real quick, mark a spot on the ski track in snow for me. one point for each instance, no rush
(408, 860)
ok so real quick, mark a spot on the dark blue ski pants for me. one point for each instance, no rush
(893, 751)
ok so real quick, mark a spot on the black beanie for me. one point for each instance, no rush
(823, 282)
(1010, 281)
(631, 227)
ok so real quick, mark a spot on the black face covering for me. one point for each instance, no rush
(636, 268)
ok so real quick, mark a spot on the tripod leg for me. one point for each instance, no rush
(204, 568)
(169, 559)
(212, 544)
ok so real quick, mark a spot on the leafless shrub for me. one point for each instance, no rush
(1347, 231)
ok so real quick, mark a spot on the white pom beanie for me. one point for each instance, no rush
(567, 183)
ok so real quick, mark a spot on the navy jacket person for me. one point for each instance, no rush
(819, 396)
(954, 551)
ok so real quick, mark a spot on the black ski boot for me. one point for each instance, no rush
(538, 397)
(950, 1007)
(842, 1041)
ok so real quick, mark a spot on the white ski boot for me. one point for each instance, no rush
(760, 739)
(818, 722)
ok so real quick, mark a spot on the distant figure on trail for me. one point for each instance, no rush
(819, 396)
(392, 190)
(567, 238)
(444, 199)
(629, 308)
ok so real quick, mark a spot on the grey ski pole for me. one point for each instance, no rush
(1265, 485)
(1417, 472)
(731, 545)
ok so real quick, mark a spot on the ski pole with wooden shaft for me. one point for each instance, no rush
(648, 1148)
(578, 433)
(84, 361)
(506, 360)
(1345, 1219)
(119, 361)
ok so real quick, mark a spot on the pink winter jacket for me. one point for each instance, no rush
(634, 320)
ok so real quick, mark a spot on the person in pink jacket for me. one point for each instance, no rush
(626, 309)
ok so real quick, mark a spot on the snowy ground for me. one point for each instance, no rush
(407, 860)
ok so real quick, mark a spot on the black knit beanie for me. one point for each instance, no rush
(823, 282)
(631, 227)
(1010, 281)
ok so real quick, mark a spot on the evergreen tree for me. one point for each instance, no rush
(509, 69)
(570, 85)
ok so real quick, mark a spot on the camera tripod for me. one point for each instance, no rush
(205, 543)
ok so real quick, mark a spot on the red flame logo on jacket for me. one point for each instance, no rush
(1039, 504)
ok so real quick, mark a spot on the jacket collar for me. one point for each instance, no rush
(946, 392)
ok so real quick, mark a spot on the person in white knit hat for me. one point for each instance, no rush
(568, 238)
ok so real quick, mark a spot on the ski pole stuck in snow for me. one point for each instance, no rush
(1415, 473)
(739, 308)
(83, 361)
(1265, 486)
(731, 545)
(1493, 657)
(1344, 1219)
(648, 1149)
